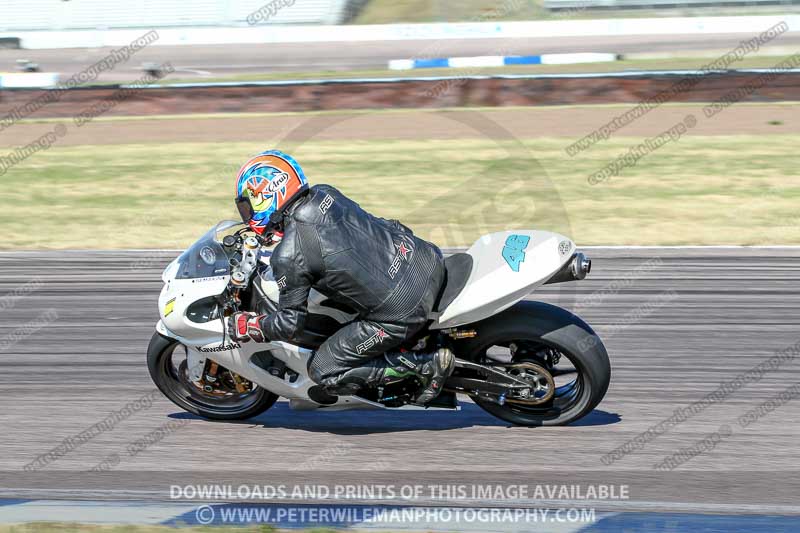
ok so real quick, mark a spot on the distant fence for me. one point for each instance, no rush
(407, 93)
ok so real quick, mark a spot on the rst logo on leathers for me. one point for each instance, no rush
(372, 341)
(403, 253)
(325, 204)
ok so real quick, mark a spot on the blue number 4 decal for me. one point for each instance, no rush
(514, 250)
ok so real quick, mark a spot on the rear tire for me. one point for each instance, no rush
(159, 355)
(551, 327)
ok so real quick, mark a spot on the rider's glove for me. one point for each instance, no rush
(243, 327)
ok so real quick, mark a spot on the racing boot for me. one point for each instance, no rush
(356, 379)
(432, 369)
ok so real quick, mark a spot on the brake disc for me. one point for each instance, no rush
(225, 382)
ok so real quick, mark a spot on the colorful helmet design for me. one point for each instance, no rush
(266, 184)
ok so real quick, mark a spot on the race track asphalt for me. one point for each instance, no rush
(676, 327)
(208, 61)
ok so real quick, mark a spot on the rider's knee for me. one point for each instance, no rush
(315, 372)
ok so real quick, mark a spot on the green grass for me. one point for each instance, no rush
(701, 190)
(391, 11)
(676, 63)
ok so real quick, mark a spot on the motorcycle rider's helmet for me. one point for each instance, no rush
(265, 187)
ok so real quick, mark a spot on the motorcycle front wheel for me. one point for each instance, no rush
(167, 363)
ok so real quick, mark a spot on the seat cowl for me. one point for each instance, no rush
(506, 267)
(458, 268)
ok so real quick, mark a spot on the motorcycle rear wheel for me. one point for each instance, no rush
(543, 328)
(172, 380)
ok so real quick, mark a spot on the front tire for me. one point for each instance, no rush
(543, 328)
(173, 382)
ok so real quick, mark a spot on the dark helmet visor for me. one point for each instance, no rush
(245, 208)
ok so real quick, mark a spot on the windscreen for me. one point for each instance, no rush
(204, 259)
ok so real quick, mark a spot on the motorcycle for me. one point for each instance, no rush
(526, 362)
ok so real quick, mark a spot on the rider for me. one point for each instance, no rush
(376, 267)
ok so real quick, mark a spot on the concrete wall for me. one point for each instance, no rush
(101, 15)
(53, 37)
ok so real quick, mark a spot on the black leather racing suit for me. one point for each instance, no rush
(375, 266)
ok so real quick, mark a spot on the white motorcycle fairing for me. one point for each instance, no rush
(507, 266)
